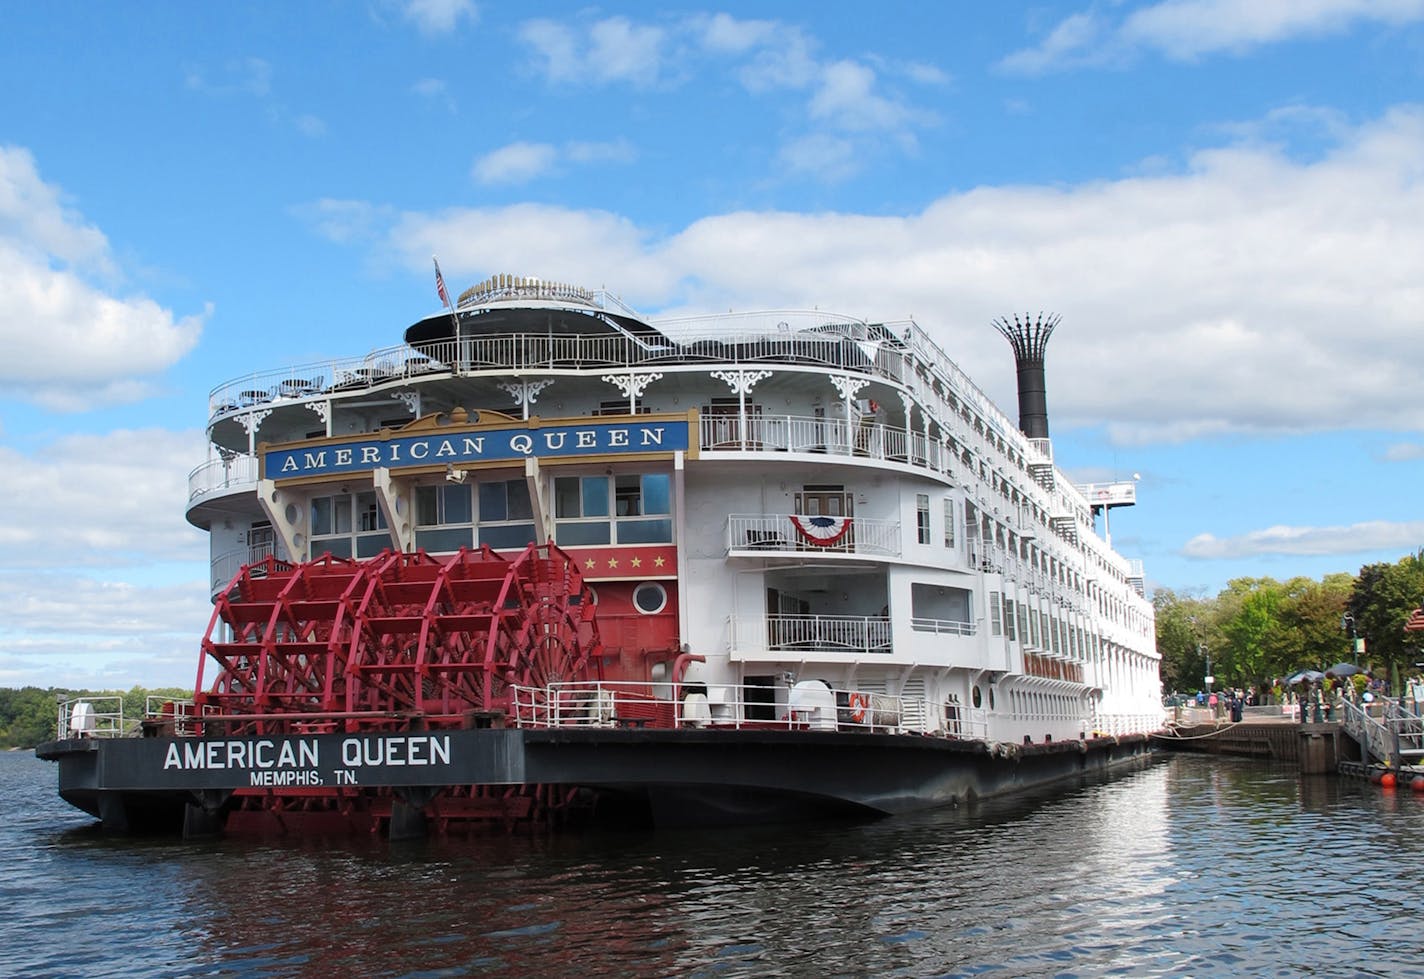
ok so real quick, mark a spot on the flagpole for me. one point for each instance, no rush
(444, 295)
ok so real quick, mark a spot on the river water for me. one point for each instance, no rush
(1191, 867)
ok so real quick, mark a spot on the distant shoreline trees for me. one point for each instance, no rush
(1258, 630)
(30, 715)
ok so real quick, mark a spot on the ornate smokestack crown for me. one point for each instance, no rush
(1029, 338)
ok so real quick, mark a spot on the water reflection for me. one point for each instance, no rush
(1194, 866)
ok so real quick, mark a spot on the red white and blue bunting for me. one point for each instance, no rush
(821, 531)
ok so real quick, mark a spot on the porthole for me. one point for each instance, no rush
(650, 598)
(978, 697)
(991, 698)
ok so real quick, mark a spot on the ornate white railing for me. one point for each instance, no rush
(226, 565)
(519, 352)
(811, 634)
(822, 436)
(235, 473)
(779, 532)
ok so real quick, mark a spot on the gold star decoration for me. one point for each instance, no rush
(613, 562)
(658, 562)
(589, 564)
(637, 562)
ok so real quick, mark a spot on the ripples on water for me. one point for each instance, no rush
(1192, 867)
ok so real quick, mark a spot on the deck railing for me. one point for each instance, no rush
(91, 717)
(811, 634)
(522, 352)
(781, 532)
(236, 473)
(729, 706)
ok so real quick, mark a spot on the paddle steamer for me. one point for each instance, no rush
(548, 554)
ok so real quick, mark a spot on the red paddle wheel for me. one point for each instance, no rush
(394, 642)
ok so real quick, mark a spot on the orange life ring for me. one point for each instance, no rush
(858, 704)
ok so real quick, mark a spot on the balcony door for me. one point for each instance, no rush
(823, 519)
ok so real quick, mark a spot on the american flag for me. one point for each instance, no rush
(440, 282)
(1415, 623)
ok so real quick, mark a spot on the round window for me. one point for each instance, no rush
(650, 597)
(991, 698)
(978, 697)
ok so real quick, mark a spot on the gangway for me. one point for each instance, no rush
(1394, 738)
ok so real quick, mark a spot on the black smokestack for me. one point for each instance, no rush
(1029, 338)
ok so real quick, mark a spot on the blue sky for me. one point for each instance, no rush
(1223, 199)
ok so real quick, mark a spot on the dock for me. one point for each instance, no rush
(1359, 741)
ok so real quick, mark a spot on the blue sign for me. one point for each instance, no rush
(482, 445)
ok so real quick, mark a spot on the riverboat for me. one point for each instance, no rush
(550, 557)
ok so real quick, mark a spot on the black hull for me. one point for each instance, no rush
(670, 778)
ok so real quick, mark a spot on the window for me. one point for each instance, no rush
(996, 622)
(372, 536)
(948, 522)
(331, 525)
(650, 598)
(636, 499)
(506, 515)
(1009, 620)
(922, 517)
(581, 510)
(443, 517)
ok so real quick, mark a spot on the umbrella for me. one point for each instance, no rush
(1305, 676)
(1345, 669)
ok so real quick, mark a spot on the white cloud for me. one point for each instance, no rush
(434, 17)
(1375, 535)
(344, 221)
(239, 76)
(515, 163)
(114, 499)
(69, 345)
(521, 162)
(1185, 30)
(610, 50)
(1404, 452)
(847, 105)
(434, 90)
(1248, 293)
(74, 631)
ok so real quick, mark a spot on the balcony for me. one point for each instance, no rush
(821, 436)
(226, 565)
(222, 476)
(798, 635)
(793, 533)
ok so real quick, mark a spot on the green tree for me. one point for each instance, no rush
(1381, 601)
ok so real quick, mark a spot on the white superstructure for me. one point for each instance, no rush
(763, 503)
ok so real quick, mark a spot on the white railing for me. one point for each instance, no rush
(850, 633)
(91, 717)
(811, 633)
(943, 627)
(227, 564)
(516, 352)
(822, 436)
(667, 705)
(779, 532)
(172, 717)
(1119, 724)
(236, 473)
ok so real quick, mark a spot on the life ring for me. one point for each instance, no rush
(859, 702)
